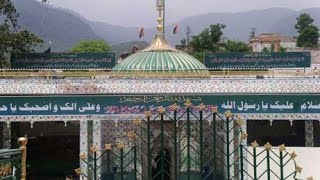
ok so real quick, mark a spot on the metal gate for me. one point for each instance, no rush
(189, 143)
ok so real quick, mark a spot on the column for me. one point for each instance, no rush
(229, 147)
(245, 153)
(6, 135)
(97, 141)
(309, 133)
(84, 147)
(233, 143)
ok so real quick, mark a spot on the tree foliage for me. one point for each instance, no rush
(236, 46)
(308, 33)
(211, 40)
(92, 46)
(13, 40)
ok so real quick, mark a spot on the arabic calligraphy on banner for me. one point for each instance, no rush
(104, 104)
(257, 60)
(63, 60)
(158, 99)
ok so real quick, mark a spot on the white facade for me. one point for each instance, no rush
(259, 46)
(267, 40)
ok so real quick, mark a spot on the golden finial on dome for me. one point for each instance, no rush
(159, 43)
(160, 8)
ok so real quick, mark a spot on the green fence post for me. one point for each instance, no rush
(214, 143)
(188, 142)
(228, 147)
(201, 142)
(121, 164)
(268, 148)
(175, 129)
(149, 148)
(135, 162)
(282, 148)
(241, 162)
(162, 147)
(255, 145)
(108, 162)
(95, 165)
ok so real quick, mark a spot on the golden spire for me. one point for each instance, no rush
(159, 43)
(160, 9)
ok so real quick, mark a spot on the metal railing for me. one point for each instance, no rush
(13, 162)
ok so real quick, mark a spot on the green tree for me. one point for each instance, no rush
(13, 40)
(308, 33)
(236, 46)
(209, 39)
(91, 46)
(216, 32)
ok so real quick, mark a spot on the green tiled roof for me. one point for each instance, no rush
(160, 61)
(160, 58)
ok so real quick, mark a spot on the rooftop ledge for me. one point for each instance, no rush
(273, 73)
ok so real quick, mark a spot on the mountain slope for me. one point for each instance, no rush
(277, 20)
(66, 28)
(286, 25)
(63, 28)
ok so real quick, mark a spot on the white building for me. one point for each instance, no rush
(271, 41)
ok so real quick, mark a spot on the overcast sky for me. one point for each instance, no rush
(141, 13)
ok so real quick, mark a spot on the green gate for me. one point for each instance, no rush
(190, 143)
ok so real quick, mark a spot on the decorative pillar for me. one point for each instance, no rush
(229, 145)
(5, 135)
(309, 133)
(232, 144)
(97, 142)
(244, 142)
(84, 147)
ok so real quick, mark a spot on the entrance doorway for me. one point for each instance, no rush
(53, 148)
(281, 132)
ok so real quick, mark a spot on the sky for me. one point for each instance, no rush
(141, 13)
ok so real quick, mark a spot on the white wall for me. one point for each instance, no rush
(288, 44)
(309, 159)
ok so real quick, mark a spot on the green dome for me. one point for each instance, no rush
(160, 59)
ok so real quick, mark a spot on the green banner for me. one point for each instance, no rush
(104, 104)
(63, 61)
(257, 60)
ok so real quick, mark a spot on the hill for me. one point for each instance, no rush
(277, 20)
(63, 28)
